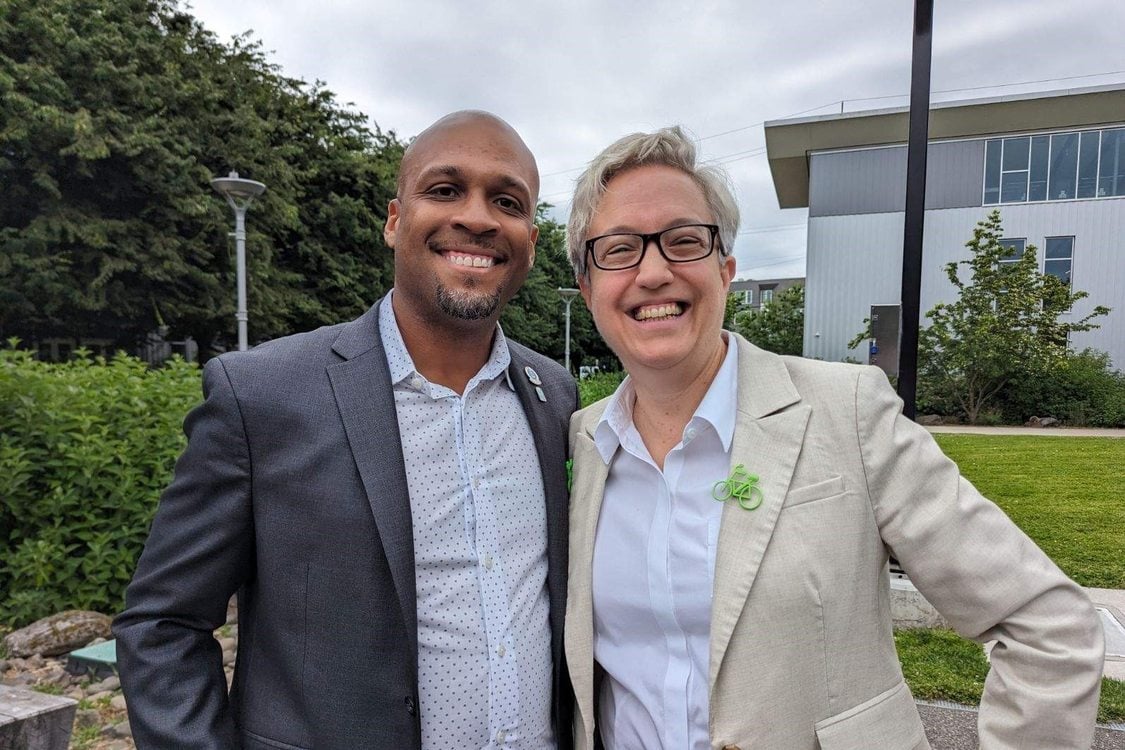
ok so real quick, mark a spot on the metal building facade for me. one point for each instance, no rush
(850, 171)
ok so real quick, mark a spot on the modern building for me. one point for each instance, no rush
(758, 292)
(1052, 162)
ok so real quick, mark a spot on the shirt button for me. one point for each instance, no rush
(411, 708)
(501, 651)
(416, 383)
(689, 434)
(487, 562)
(501, 736)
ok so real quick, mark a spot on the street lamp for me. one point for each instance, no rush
(240, 194)
(568, 296)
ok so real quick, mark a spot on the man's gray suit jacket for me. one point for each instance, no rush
(292, 493)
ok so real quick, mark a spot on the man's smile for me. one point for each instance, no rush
(469, 260)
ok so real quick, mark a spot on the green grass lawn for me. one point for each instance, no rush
(1065, 493)
(941, 665)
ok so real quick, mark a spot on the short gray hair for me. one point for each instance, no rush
(668, 147)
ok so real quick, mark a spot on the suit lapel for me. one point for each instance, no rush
(362, 386)
(547, 430)
(590, 473)
(767, 442)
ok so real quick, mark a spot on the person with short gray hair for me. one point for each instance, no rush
(669, 147)
(733, 512)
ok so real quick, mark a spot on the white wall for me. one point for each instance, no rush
(856, 261)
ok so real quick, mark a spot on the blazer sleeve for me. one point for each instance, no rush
(199, 551)
(987, 578)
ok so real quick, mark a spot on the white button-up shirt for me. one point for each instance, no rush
(653, 570)
(480, 554)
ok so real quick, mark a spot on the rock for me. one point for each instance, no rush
(95, 697)
(58, 634)
(123, 729)
(109, 683)
(1048, 422)
(3, 665)
(86, 717)
(228, 644)
(118, 702)
(1033, 422)
(929, 420)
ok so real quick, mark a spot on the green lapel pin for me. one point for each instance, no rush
(742, 486)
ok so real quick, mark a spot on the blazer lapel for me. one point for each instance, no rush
(588, 488)
(547, 430)
(767, 442)
(362, 386)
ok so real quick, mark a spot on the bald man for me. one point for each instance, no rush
(387, 497)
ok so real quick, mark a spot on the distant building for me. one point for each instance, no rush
(758, 292)
(1052, 162)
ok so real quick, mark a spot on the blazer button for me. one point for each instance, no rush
(411, 708)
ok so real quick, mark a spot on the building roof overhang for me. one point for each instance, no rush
(789, 142)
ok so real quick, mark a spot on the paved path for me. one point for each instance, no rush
(1045, 431)
(950, 726)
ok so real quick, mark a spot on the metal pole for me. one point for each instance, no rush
(915, 205)
(241, 314)
(568, 300)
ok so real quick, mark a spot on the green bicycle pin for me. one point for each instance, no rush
(742, 486)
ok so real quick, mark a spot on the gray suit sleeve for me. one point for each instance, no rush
(199, 551)
(987, 578)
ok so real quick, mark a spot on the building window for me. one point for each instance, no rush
(1015, 249)
(766, 295)
(1061, 166)
(749, 296)
(1111, 179)
(1059, 258)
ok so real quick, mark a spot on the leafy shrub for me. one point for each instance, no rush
(86, 447)
(597, 386)
(1080, 390)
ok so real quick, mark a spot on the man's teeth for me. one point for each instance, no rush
(658, 311)
(475, 261)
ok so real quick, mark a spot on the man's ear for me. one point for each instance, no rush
(534, 238)
(391, 226)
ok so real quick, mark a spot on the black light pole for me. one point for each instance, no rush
(915, 204)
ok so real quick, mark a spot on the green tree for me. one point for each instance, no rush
(1005, 325)
(536, 316)
(116, 114)
(778, 326)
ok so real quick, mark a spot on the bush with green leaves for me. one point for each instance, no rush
(598, 386)
(86, 447)
(1082, 389)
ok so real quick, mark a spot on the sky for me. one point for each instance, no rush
(572, 77)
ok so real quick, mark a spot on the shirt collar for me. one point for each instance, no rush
(717, 407)
(401, 364)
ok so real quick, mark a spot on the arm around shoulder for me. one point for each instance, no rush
(199, 551)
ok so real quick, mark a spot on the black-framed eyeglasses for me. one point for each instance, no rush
(682, 244)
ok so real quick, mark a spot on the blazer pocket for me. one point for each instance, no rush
(813, 492)
(889, 721)
(251, 741)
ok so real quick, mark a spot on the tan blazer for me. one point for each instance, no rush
(802, 654)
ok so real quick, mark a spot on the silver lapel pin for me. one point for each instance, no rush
(533, 378)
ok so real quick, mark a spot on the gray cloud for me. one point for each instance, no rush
(572, 77)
